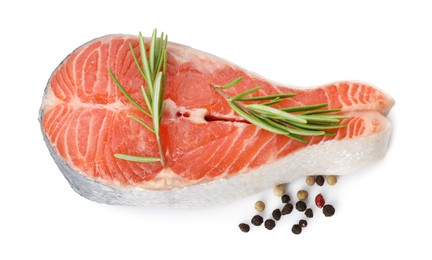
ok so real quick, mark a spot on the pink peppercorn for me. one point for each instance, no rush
(319, 201)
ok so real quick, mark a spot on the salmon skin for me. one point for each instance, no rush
(212, 154)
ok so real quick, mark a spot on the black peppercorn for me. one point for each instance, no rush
(328, 210)
(244, 227)
(301, 206)
(257, 220)
(296, 229)
(276, 214)
(287, 209)
(303, 223)
(285, 198)
(319, 180)
(309, 213)
(269, 224)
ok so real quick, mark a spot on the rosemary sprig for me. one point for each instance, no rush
(153, 71)
(312, 121)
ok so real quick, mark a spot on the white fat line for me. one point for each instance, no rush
(246, 142)
(61, 125)
(66, 146)
(74, 74)
(277, 88)
(217, 150)
(339, 96)
(348, 132)
(352, 94)
(93, 85)
(285, 146)
(328, 98)
(99, 69)
(60, 82)
(365, 123)
(111, 84)
(76, 136)
(75, 61)
(51, 101)
(98, 136)
(358, 92)
(124, 57)
(235, 159)
(69, 80)
(351, 127)
(350, 87)
(229, 150)
(256, 154)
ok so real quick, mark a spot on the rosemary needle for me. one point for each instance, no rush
(268, 97)
(276, 113)
(136, 158)
(314, 112)
(125, 93)
(231, 84)
(247, 92)
(304, 108)
(139, 120)
(318, 119)
(272, 102)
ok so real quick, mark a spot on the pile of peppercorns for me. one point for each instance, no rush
(301, 206)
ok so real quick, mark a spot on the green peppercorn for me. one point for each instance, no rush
(269, 224)
(328, 210)
(319, 180)
(303, 223)
(276, 214)
(287, 209)
(244, 227)
(296, 229)
(309, 213)
(257, 220)
(301, 206)
(285, 198)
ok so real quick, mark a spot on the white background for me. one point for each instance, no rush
(382, 210)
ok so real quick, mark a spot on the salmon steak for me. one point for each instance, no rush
(213, 155)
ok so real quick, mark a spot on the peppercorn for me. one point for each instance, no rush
(309, 213)
(319, 180)
(296, 229)
(285, 198)
(302, 195)
(287, 209)
(259, 206)
(276, 214)
(301, 206)
(257, 220)
(319, 201)
(244, 227)
(303, 223)
(310, 180)
(269, 224)
(279, 190)
(331, 180)
(328, 210)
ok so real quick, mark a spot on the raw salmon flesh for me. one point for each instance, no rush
(212, 154)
